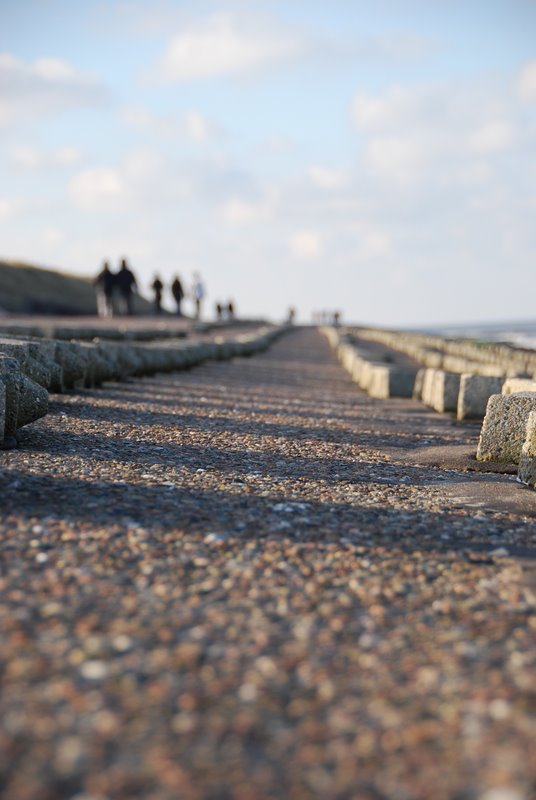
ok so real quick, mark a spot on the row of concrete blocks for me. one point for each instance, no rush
(465, 395)
(455, 383)
(508, 406)
(380, 379)
(457, 355)
(119, 332)
(30, 369)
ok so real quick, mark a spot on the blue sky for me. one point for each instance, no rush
(377, 158)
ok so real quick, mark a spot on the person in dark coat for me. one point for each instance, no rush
(126, 286)
(178, 294)
(157, 287)
(104, 285)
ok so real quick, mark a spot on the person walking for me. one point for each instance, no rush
(126, 285)
(157, 286)
(178, 293)
(104, 285)
(198, 293)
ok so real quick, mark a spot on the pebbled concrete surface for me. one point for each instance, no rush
(235, 583)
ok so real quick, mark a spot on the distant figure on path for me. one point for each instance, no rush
(198, 293)
(291, 315)
(126, 285)
(157, 286)
(178, 294)
(219, 311)
(230, 310)
(104, 287)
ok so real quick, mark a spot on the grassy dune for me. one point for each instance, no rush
(27, 289)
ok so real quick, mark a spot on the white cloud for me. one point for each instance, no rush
(306, 245)
(432, 132)
(398, 157)
(240, 211)
(197, 126)
(25, 157)
(192, 124)
(9, 207)
(53, 69)
(277, 145)
(29, 158)
(225, 45)
(380, 112)
(326, 178)
(46, 86)
(526, 84)
(373, 242)
(477, 173)
(492, 137)
(67, 156)
(53, 236)
(98, 189)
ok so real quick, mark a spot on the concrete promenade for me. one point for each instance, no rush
(251, 580)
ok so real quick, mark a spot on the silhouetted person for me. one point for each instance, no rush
(178, 293)
(337, 318)
(198, 293)
(219, 311)
(291, 315)
(104, 287)
(230, 310)
(126, 286)
(157, 286)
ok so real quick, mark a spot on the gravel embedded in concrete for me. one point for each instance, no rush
(240, 582)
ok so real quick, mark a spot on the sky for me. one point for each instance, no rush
(375, 158)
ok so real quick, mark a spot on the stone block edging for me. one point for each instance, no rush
(30, 369)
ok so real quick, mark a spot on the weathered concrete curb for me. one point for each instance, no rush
(30, 369)
(504, 428)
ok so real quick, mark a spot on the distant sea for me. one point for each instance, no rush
(521, 334)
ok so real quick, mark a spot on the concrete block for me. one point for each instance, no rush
(10, 377)
(44, 351)
(428, 385)
(25, 400)
(516, 385)
(445, 388)
(432, 359)
(365, 376)
(418, 384)
(388, 381)
(527, 458)
(474, 393)
(503, 431)
(2, 410)
(72, 363)
(33, 401)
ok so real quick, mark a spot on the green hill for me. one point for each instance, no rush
(26, 289)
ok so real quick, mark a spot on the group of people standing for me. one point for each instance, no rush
(177, 290)
(116, 290)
